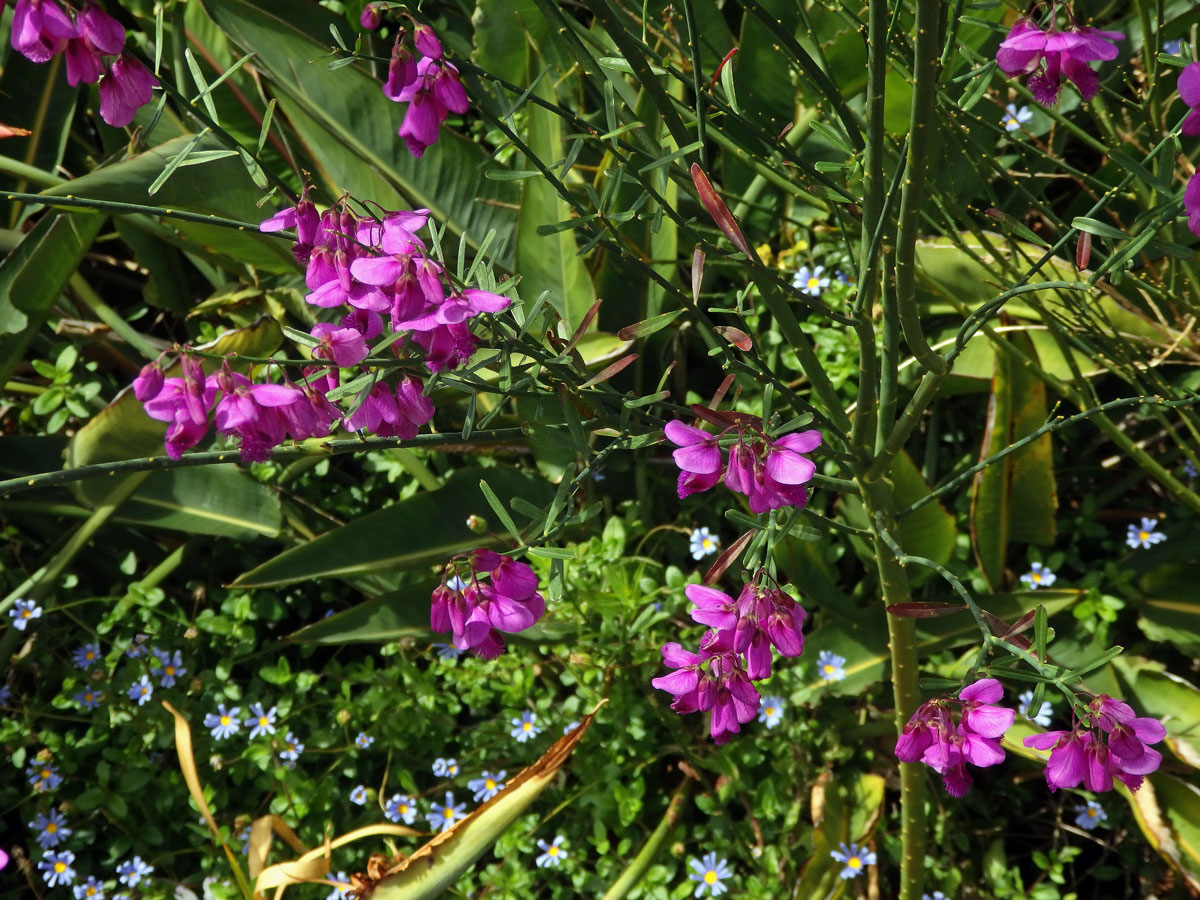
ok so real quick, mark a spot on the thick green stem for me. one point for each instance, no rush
(925, 69)
(902, 642)
(637, 869)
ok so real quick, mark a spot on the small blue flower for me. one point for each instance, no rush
(1090, 815)
(1172, 47)
(1038, 576)
(43, 776)
(244, 839)
(569, 727)
(444, 815)
(364, 740)
(261, 722)
(853, 857)
(771, 711)
(88, 698)
(1014, 118)
(552, 853)
(843, 277)
(709, 874)
(447, 651)
(830, 666)
(138, 648)
(5, 695)
(339, 893)
(810, 282)
(401, 808)
(445, 768)
(487, 785)
(702, 543)
(89, 890)
(1024, 700)
(51, 828)
(455, 583)
(359, 795)
(22, 613)
(86, 656)
(141, 690)
(936, 895)
(524, 727)
(1144, 536)
(133, 871)
(291, 750)
(167, 667)
(56, 868)
(224, 722)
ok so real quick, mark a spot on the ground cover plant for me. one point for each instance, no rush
(608, 449)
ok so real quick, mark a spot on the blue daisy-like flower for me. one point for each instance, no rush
(487, 785)
(1014, 118)
(88, 698)
(443, 815)
(89, 890)
(43, 776)
(1145, 536)
(56, 868)
(167, 667)
(86, 656)
(702, 543)
(1025, 700)
(524, 727)
(359, 795)
(709, 873)
(141, 690)
(830, 666)
(853, 859)
(1038, 576)
(132, 871)
(23, 612)
(401, 808)
(364, 740)
(51, 828)
(224, 722)
(810, 282)
(261, 721)
(292, 748)
(552, 853)
(1090, 815)
(771, 711)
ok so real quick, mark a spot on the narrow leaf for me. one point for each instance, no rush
(728, 558)
(924, 610)
(719, 211)
(648, 326)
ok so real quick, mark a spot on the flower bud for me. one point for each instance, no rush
(372, 17)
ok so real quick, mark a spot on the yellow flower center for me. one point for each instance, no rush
(169, 670)
(706, 544)
(89, 891)
(829, 669)
(1143, 535)
(263, 721)
(60, 867)
(813, 283)
(449, 813)
(1035, 577)
(1011, 120)
(710, 877)
(46, 774)
(552, 850)
(26, 614)
(527, 726)
(225, 720)
(52, 828)
(489, 784)
(854, 862)
(89, 656)
(403, 808)
(1091, 813)
(769, 710)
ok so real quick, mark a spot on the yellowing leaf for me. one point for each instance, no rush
(438, 864)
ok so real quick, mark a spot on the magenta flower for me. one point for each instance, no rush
(40, 29)
(1191, 203)
(371, 18)
(184, 402)
(477, 610)
(759, 619)
(933, 737)
(1189, 91)
(1112, 743)
(699, 458)
(1049, 55)
(707, 681)
(99, 34)
(124, 90)
(431, 95)
(345, 346)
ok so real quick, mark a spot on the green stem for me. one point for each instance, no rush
(902, 641)
(637, 868)
(925, 69)
(10, 166)
(297, 451)
(111, 206)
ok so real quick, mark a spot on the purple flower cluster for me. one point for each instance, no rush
(1049, 55)
(771, 474)
(1189, 91)
(1111, 743)
(41, 29)
(733, 655)
(476, 611)
(376, 268)
(426, 82)
(932, 735)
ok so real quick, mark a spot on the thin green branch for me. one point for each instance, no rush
(141, 209)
